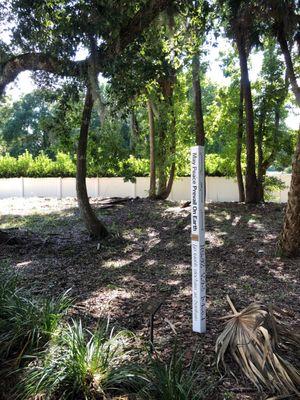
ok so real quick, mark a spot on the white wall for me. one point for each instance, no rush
(218, 189)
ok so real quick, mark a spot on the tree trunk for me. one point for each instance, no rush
(251, 180)
(198, 112)
(94, 226)
(260, 156)
(289, 240)
(134, 132)
(167, 124)
(152, 190)
(161, 160)
(288, 62)
(164, 185)
(239, 145)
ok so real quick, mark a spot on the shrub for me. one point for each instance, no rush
(133, 167)
(40, 166)
(215, 165)
(26, 324)
(64, 165)
(81, 363)
(272, 184)
(172, 380)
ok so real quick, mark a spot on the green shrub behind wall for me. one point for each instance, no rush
(40, 166)
(64, 165)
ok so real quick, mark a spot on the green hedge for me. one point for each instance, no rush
(40, 166)
(64, 165)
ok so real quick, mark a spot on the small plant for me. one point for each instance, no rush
(254, 337)
(81, 364)
(172, 380)
(26, 324)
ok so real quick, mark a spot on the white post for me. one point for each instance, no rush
(198, 239)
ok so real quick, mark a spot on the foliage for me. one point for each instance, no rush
(26, 324)
(272, 184)
(172, 380)
(81, 363)
(254, 339)
(23, 123)
(40, 166)
(133, 167)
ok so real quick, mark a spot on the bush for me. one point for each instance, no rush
(215, 165)
(81, 363)
(26, 324)
(133, 167)
(172, 380)
(64, 165)
(40, 166)
(272, 184)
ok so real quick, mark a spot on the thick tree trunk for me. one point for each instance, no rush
(251, 180)
(167, 124)
(289, 240)
(94, 226)
(164, 185)
(152, 190)
(239, 146)
(198, 112)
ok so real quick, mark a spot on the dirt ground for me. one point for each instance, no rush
(147, 261)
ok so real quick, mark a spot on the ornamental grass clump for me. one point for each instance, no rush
(81, 364)
(26, 324)
(172, 380)
(259, 342)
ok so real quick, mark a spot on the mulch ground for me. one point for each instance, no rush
(147, 261)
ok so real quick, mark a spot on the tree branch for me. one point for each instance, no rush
(128, 33)
(10, 69)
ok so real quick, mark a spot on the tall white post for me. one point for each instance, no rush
(198, 239)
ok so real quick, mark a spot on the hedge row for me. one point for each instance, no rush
(64, 165)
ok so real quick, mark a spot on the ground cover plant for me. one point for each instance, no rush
(82, 364)
(26, 324)
(146, 259)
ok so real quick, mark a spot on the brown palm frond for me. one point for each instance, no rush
(247, 337)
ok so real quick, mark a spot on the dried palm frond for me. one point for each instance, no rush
(247, 337)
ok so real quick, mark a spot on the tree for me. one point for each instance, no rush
(270, 105)
(239, 145)
(283, 24)
(93, 225)
(23, 123)
(241, 26)
(62, 27)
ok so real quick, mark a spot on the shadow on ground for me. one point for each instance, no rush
(147, 260)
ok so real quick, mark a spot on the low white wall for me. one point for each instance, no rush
(218, 189)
